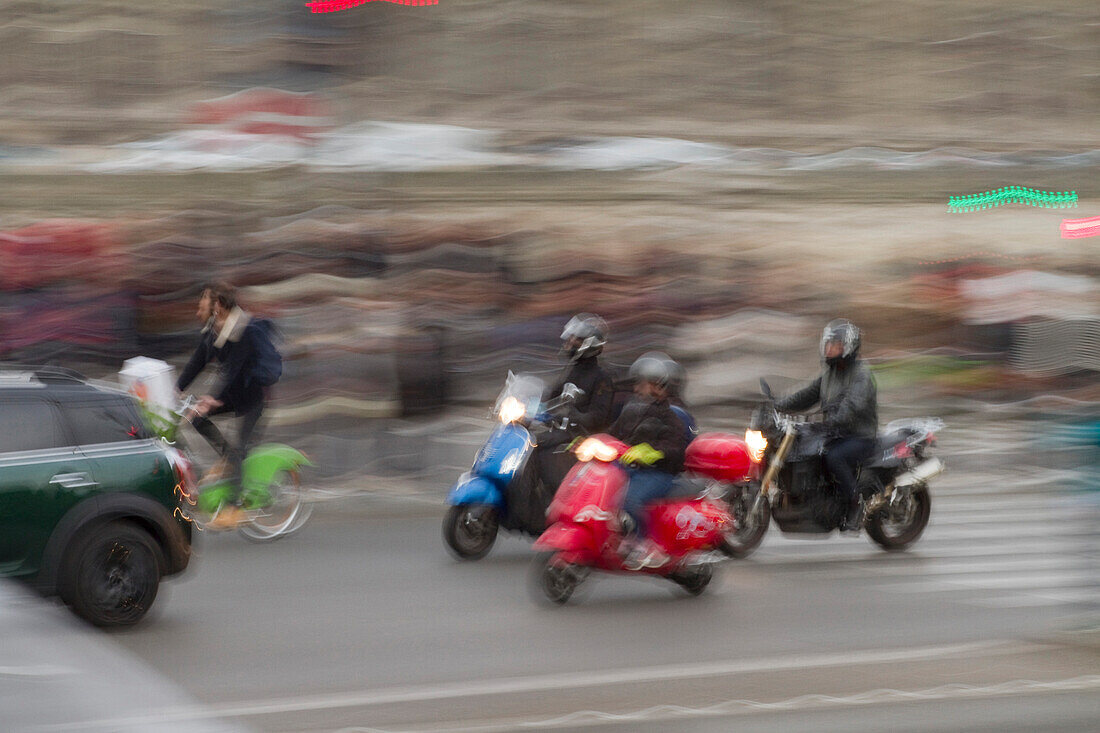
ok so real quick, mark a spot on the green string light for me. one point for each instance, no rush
(1013, 195)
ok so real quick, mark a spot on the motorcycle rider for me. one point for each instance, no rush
(846, 391)
(658, 440)
(583, 339)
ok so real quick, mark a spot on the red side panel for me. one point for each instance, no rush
(680, 526)
(568, 537)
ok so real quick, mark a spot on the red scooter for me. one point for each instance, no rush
(584, 528)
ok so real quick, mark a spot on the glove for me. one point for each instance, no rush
(544, 417)
(643, 454)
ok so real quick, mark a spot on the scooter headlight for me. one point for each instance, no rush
(756, 443)
(594, 448)
(511, 410)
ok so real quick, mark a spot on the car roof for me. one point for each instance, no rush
(52, 380)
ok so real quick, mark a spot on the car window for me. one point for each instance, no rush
(103, 422)
(29, 425)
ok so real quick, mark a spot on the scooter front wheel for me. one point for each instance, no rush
(557, 580)
(469, 530)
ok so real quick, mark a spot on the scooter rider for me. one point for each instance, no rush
(583, 339)
(846, 391)
(658, 440)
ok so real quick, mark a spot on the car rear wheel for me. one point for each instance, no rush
(110, 574)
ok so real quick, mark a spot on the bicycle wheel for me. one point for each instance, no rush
(286, 513)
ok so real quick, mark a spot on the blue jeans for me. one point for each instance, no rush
(646, 485)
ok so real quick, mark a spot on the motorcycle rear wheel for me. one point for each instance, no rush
(750, 529)
(469, 530)
(556, 580)
(897, 528)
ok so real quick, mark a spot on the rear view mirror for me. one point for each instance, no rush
(765, 389)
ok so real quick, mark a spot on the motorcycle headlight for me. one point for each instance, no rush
(756, 443)
(511, 410)
(597, 449)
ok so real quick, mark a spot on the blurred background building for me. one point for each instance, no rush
(421, 196)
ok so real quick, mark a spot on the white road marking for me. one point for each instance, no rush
(730, 708)
(564, 681)
(37, 670)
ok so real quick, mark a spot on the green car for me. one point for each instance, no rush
(88, 496)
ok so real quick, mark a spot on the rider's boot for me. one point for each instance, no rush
(854, 519)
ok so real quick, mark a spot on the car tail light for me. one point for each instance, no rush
(186, 484)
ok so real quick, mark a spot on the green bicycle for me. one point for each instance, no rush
(271, 489)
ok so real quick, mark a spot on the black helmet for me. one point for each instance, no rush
(590, 330)
(657, 368)
(847, 335)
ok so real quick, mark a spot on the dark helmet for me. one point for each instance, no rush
(657, 368)
(847, 335)
(590, 330)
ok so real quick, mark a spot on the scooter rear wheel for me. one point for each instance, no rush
(469, 530)
(555, 579)
(694, 580)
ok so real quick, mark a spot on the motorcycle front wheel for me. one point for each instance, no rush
(556, 580)
(751, 526)
(469, 530)
(895, 528)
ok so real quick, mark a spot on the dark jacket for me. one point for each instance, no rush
(592, 410)
(234, 348)
(204, 353)
(646, 421)
(847, 395)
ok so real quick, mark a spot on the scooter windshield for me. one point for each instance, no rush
(520, 398)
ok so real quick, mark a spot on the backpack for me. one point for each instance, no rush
(268, 366)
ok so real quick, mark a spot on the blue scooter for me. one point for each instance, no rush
(479, 499)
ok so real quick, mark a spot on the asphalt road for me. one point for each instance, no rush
(363, 622)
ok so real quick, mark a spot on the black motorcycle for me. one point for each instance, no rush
(792, 486)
